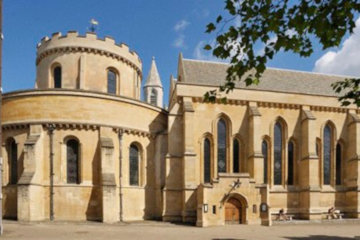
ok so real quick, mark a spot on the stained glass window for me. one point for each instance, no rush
(290, 163)
(338, 164)
(111, 87)
(72, 153)
(221, 153)
(207, 161)
(57, 77)
(264, 149)
(278, 154)
(134, 165)
(13, 158)
(236, 156)
(327, 155)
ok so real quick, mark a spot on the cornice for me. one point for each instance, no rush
(81, 49)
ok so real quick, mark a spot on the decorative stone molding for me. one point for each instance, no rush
(90, 43)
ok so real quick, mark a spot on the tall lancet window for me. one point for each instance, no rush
(236, 156)
(291, 163)
(327, 155)
(57, 77)
(338, 164)
(13, 158)
(111, 82)
(265, 150)
(134, 165)
(207, 160)
(72, 155)
(221, 148)
(278, 142)
(153, 97)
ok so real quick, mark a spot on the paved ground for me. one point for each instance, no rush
(158, 230)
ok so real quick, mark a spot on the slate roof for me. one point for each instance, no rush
(279, 80)
(153, 78)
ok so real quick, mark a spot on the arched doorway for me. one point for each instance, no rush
(234, 211)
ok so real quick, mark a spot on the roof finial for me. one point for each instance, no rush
(93, 25)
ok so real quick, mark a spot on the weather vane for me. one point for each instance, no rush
(93, 25)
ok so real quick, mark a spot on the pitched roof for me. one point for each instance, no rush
(279, 80)
(153, 78)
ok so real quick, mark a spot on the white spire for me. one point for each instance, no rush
(153, 78)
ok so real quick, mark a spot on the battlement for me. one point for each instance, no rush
(89, 42)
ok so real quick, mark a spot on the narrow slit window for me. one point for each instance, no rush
(134, 165)
(221, 148)
(291, 163)
(236, 156)
(264, 149)
(111, 83)
(278, 142)
(327, 155)
(57, 77)
(72, 154)
(207, 161)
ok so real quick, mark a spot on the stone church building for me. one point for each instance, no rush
(82, 145)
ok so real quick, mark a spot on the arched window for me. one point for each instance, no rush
(111, 82)
(290, 164)
(338, 164)
(264, 150)
(72, 159)
(153, 97)
(57, 77)
(134, 165)
(327, 155)
(278, 142)
(13, 158)
(221, 148)
(207, 160)
(236, 156)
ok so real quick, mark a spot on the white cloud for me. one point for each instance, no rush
(181, 25)
(179, 42)
(345, 60)
(201, 54)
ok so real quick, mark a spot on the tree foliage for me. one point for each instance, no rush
(279, 25)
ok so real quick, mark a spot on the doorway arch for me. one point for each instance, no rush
(235, 210)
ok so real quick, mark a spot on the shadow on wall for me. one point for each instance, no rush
(322, 237)
(94, 209)
(153, 194)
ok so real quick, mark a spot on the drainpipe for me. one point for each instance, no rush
(120, 135)
(51, 129)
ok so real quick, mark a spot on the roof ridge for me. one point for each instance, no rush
(276, 68)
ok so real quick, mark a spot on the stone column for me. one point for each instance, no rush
(256, 159)
(30, 194)
(309, 168)
(110, 210)
(352, 166)
(189, 164)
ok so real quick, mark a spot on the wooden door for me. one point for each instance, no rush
(232, 211)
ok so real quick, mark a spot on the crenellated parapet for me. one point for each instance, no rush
(88, 43)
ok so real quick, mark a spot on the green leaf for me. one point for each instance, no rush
(210, 27)
(207, 47)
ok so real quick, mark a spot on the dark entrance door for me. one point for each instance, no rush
(233, 213)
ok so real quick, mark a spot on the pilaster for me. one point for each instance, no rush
(256, 159)
(352, 166)
(30, 205)
(309, 168)
(108, 185)
(189, 164)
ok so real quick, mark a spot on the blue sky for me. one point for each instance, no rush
(160, 28)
